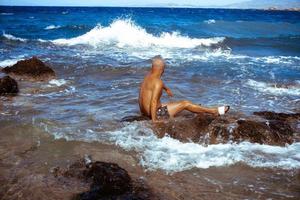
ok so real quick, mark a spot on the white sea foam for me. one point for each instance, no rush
(7, 13)
(12, 61)
(172, 155)
(50, 27)
(8, 62)
(124, 36)
(41, 40)
(210, 21)
(124, 33)
(277, 59)
(57, 82)
(273, 88)
(11, 37)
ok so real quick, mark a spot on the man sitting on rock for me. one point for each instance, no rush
(151, 90)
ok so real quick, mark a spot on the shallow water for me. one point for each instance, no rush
(247, 59)
(28, 155)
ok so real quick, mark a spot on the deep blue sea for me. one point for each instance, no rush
(248, 59)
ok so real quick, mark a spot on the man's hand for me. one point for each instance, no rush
(169, 92)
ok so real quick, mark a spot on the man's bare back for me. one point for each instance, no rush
(151, 91)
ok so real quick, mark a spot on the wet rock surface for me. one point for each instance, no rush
(269, 128)
(8, 86)
(278, 116)
(31, 69)
(107, 181)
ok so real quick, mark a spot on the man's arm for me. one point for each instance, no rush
(154, 100)
(168, 91)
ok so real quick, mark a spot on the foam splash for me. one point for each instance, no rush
(172, 155)
(273, 88)
(278, 59)
(210, 21)
(57, 82)
(50, 27)
(10, 62)
(12, 37)
(126, 33)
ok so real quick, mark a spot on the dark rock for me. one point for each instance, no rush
(107, 181)
(282, 124)
(32, 69)
(277, 116)
(253, 131)
(108, 178)
(77, 170)
(8, 86)
(209, 129)
(185, 128)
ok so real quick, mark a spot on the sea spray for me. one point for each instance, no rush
(124, 32)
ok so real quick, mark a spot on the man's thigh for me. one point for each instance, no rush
(174, 107)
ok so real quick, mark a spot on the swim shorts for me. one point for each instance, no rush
(162, 112)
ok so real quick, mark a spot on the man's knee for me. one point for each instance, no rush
(186, 103)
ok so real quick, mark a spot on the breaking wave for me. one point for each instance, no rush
(12, 37)
(126, 33)
(274, 88)
(12, 61)
(172, 155)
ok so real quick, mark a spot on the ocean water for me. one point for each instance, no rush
(249, 59)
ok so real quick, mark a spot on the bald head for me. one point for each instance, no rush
(158, 65)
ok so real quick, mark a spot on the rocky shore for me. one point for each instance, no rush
(262, 127)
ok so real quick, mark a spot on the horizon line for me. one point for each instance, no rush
(108, 6)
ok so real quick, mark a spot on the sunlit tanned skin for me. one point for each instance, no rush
(151, 91)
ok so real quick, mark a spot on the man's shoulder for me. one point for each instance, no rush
(158, 83)
(153, 82)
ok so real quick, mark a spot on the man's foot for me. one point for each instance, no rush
(223, 109)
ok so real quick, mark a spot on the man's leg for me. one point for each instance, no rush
(176, 107)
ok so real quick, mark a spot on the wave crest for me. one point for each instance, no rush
(274, 89)
(126, 33)
(12, 37)
(50, 27)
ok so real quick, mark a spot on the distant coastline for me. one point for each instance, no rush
(284, 9)
(272, 8)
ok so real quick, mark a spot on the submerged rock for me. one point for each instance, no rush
(134, 118)
(107, 181)
(31, 69)
(278, 129)
(8, 86)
